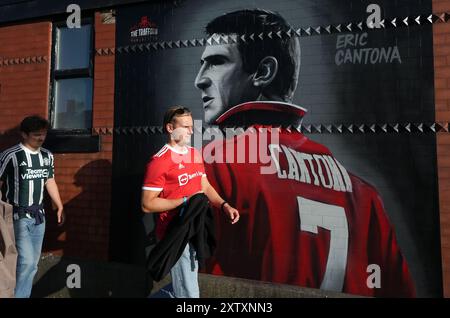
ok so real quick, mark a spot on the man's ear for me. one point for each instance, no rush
(266, 72)
(24, 135)
(169, 128)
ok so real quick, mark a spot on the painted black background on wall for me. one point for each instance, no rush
(401, 166)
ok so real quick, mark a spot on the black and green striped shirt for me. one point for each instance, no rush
(25, 173)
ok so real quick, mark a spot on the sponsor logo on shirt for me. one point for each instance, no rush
(34, 174)
(23, 164)
(184, 178)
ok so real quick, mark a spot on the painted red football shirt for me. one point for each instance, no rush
(309, 222)
(176, 174)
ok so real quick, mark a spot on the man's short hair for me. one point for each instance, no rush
(285, 49)
(34, 123)
(175, 111)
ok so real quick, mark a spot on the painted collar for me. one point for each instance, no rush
(274, 106)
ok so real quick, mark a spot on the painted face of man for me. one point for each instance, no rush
(34, 139)
(223, 81)
(182, 129)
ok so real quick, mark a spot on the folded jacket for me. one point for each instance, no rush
(195, 226)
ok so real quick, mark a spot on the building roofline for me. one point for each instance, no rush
(13, 11)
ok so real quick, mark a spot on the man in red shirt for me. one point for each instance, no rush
(173, 175)
(305, 219)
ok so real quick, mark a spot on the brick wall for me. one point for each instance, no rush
(441, 43)
(24, 75)
(84, 180)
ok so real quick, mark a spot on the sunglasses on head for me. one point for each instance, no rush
(179, 111)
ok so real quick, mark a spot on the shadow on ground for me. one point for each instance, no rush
(107, 279)
(97, 279)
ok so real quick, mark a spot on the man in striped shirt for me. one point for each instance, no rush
(25, 170)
